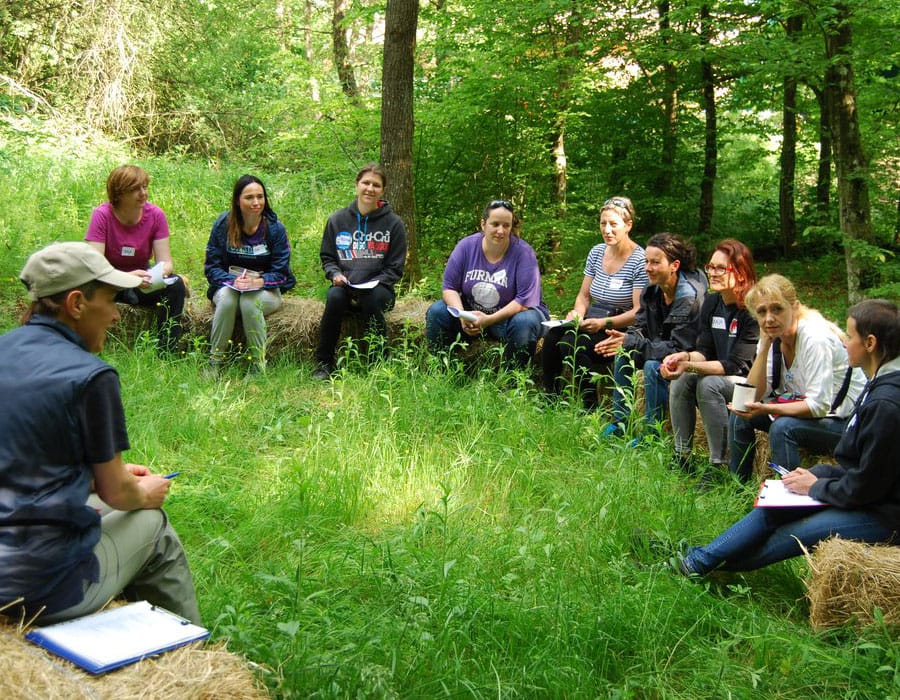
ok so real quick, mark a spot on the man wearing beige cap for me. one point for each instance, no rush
(63, 430)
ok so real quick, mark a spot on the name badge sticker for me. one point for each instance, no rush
(718, 323)
(260, 249)
(615, 283)
(128, 251)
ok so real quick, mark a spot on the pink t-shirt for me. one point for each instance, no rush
(128, 247)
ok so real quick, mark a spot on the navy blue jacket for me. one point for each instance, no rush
(268, 252)
(868, 454)
(47, 532)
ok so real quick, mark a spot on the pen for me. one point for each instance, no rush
(172, 475)
(779, 469)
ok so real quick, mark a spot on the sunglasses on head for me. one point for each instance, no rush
(616, 202)
(500, 203)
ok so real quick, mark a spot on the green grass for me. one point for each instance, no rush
(409, 531)
(414, 530)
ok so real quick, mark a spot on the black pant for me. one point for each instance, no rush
(168, 305)
(563, 345)
(372, 305)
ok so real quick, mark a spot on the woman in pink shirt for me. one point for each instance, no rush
(129, 231)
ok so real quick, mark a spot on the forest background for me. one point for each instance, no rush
(353, 553)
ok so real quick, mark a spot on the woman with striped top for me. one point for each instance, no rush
(614, 276)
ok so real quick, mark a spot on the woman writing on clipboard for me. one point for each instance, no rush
(861, 493)
(248, 266)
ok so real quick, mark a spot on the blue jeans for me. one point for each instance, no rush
(766, 535)
(656, 392)
(786, 436)
(518, 333)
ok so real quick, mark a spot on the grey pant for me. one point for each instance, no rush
(254, 307)
(709, 393)
(141, 557)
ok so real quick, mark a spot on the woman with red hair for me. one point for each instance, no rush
(705, 377)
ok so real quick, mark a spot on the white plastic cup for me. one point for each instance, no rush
(743, 394)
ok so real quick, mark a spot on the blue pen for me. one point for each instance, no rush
(172, 475)
(778, 468)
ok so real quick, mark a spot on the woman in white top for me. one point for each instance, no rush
(805, 388)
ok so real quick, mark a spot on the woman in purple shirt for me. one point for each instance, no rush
(492, 285)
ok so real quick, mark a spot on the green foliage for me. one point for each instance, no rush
(407, 531)
(420, 527)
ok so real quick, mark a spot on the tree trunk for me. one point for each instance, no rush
(397, 125)
(342, 51)
(308, 52)
(786, 208)
(711, 153)
(560, 172)
(823, 177)
(670, 109)
(851, 163)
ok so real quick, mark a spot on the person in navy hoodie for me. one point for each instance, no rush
(363, 254)
(248, 266)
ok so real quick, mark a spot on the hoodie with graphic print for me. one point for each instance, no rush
(364, 248)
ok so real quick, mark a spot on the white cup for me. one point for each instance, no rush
(743, 394)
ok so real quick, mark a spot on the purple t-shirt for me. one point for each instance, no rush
(128, 247)
(486, 286)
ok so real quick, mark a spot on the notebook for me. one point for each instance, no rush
(117, 637)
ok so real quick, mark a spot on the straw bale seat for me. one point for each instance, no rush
(195, 671)
(849, 580)
(292, 330)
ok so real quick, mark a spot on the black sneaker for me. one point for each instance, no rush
(322, 373)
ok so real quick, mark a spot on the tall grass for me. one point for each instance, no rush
(416, 529)
(411, 531)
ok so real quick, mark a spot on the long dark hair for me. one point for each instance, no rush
(235, 218)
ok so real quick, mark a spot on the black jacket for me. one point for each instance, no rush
(661, 329)
(868, 454)
(728, 334)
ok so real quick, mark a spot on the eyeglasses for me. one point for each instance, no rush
(718, 269)
(616, 202)
(500, 203)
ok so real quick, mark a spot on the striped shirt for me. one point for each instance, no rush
(616, 291)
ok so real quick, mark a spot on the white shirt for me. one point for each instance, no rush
(820, 364)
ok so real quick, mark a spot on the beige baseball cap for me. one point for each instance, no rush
(63, 266)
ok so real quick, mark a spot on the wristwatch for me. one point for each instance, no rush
(609, 325)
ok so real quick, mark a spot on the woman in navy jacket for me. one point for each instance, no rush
(248, 266)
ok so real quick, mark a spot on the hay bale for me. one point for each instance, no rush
(196, 671)
(294, 328)
(849, 580)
